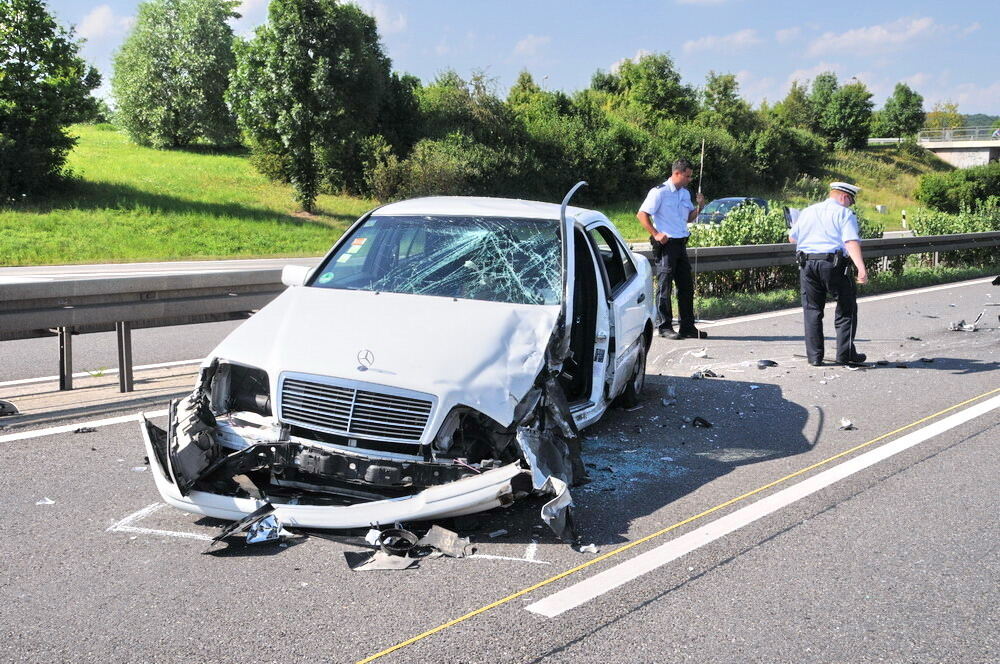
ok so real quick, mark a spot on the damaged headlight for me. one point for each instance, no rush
(239, 388)
(468, 434)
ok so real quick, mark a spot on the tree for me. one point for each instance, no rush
(307, 92)
(649, 90)
(846, 120)
(172, 72)
(903, 113)
(44, 86)
(795, 109)
(722, 105)
(823, 87)
(944, 115)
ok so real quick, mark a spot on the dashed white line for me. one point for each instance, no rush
(66, 428)
(617, 576)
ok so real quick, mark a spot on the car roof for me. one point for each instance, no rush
(481, 206)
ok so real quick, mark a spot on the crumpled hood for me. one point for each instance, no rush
(485, 355)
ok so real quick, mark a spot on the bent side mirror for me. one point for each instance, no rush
(295, 275)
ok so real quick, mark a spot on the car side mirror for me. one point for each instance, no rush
(295, 275)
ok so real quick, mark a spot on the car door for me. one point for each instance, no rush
(626, 300)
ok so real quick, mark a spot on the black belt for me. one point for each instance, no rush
(682, 240)
(821, 257)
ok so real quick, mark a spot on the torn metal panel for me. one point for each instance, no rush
(367, 561)
(447, 542)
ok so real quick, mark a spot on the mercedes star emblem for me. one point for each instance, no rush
(366, 359)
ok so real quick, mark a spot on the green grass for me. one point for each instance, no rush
(130, 203)
(740, 304)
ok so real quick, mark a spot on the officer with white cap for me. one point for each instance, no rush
(826, 235)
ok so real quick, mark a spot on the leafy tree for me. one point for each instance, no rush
(823, 87)
(846, 120)
(903, 114)
(44, 86)
(795, 110)
(648, 90)
(172, 72)
(944, 115)
(723, 107)
(309, 88)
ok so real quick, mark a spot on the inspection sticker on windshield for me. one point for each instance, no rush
(356, 245)
(327, 276)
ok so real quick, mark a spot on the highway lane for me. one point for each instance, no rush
(896, 562)
(106, 270)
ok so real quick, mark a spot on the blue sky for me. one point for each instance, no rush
(945, 51)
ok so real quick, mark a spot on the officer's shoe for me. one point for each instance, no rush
(691, 333)
(853, 360)
(667, 332)
(816, 363)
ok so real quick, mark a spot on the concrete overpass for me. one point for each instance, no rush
(964, 146)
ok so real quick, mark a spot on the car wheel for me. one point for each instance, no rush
(630, 396)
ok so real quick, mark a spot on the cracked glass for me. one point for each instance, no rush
(497, 259)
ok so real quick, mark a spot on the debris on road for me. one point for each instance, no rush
(962, 326)
(364, 561)
(846, 425)
(668, 402)
(85, 430)
(763, 364)
(634, 408)
(700, 353)
(927, 360)
(46, 501)
(7, 408)
(260, 526)
(701, 422)
(498, 533)
(914, 339)
(447, 542)
(587, 548)
(704, 373)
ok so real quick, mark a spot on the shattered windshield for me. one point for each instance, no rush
(479, 258)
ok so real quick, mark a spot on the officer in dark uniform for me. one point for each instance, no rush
(665, 214)
(828, 250)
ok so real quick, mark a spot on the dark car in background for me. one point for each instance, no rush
(717, 210)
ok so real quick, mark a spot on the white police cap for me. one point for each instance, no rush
(846, 188)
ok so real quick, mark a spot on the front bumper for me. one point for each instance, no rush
(489, 489)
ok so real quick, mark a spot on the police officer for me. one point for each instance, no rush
(665, 214)
(826, 235)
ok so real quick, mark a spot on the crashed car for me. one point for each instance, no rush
(439, 361)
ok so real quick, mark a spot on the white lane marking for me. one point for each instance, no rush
(861, 300)
(595, 586)
(529, 555)
(66, 428)
(125, 525)
(84, 374)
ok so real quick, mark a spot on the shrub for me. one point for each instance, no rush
(960, 189)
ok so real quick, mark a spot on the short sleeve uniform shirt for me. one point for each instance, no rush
(670, 207)
(824, 228)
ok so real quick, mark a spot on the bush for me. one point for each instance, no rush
(983, 219)
(956, 190)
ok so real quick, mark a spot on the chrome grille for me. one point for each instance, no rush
(353, 412)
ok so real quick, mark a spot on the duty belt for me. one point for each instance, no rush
(822, 257)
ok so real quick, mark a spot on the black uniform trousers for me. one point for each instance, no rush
(817, 278)
(673, 267)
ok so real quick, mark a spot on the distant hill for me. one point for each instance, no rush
(979, 120)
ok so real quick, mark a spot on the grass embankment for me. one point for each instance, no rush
(130, 203)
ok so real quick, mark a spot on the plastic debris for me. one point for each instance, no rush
(364, 561)
(46, 501)
(85, 430)
(763, 364)
(7, 408)
(396, 541)
(962, 326)
(498, 533)
(447, 542)
(258, 525)
(267, 529)
(755, 387)
(704, 373)
(701, 422)
(846, 425)
(914, 339)
(140, 469)
(587, 548)
(668, 402)
(700, 353)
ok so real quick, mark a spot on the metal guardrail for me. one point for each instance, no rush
(88, 305)
(959, 134)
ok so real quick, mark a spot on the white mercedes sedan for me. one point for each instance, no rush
(439, 361)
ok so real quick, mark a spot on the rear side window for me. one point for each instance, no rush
(615, 258)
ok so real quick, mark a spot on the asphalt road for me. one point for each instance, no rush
(896, 562)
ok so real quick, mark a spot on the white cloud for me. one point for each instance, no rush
(617, 64)
(531, 45)
(726, 43)
(755, 89)
(787, 34)
(875, 38)
(389, 21)
(969, 29)
(803, 75)
(101, 23)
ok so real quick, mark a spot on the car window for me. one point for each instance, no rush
(617, 263)
(481, 258)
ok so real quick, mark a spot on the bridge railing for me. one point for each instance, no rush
(959, 134)
(78, 306)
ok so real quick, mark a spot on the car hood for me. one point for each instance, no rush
(485, 355)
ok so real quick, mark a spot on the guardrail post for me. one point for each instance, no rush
(65, 358)
(123, 329)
